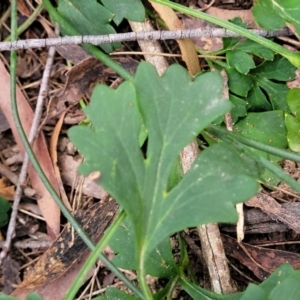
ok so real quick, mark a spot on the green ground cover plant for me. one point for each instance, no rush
(163, 114)
(4, 209)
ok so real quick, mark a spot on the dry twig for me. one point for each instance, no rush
(32, 135)
(135, 36)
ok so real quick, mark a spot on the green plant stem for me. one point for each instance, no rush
(94, 256)
(28, 21)
(294, 58)
(33, 160)
(221, 63)
(229, 136)
(280, 174)
(141, 273)
(173, 282)
(90, 48)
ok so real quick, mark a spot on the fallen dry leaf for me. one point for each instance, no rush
(23, 8)
(187, 47)
(206, 44)
(74, 53)
(68, 248)
(53, 154)
(275, 211)
(229, 14)
(69, 165)
(3, 123)
(80, 81)
(60, 285)
(296, 82)
(261, 261)
(10, 274)
(6, 191)
(48, 207)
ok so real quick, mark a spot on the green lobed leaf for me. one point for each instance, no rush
(160, 262)
(219, 178)
(254, 291)
(112, 146)
(288, 288)
(132, 10)
(240, 60)
(274, 14)
(176, 174)
(174, 110)
(88, 18)
(4, 208)
(277, 277)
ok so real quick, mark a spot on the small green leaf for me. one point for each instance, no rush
(292, 121)
(34, 296)
(280, 69)
(271, 77)
(266, 127)
(6, 297)
(257, 100)
(293, 132)
(238, 21)
(239, 108)
(249, 46)
(293, 101)
(240, 60)
(132, 10)
(112, 293)
(88, 18)
(4, 208)
(238, 83)
(276, 92)
(265, 86)
(274, 14)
